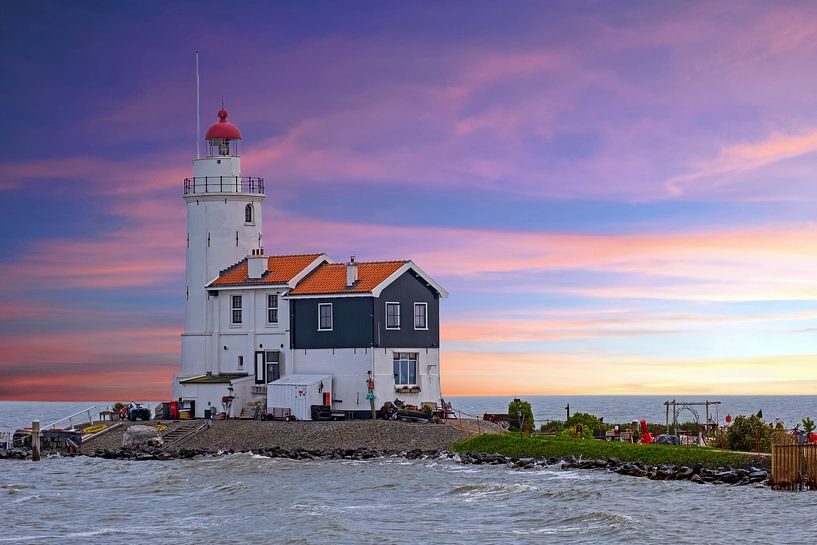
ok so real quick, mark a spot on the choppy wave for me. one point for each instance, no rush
(259, 500)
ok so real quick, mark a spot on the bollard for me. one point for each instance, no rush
(35, 441)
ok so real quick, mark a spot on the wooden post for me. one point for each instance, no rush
(374, 412)
(35, 441)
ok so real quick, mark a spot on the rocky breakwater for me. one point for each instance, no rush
(665, 472)
(150, 453)
(17, 453)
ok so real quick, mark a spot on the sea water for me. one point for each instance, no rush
(245, 498)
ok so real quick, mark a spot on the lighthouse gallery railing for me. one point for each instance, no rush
(223, 184)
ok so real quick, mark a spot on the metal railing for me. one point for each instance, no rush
(89, 418)
(223, 184)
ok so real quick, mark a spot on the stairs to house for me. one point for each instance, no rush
(185, 430)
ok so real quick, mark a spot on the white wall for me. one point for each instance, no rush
(254, 333)
(428, 375)
(220, 217)
(348, 368)
(213, 220)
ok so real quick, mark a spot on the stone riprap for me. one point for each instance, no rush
(664, 472)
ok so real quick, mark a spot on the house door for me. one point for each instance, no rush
(259, 368)
(273, 360)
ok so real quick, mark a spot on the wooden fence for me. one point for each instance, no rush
(794, 467)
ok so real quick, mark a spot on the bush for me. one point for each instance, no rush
(581, 425)
(520, 412)
(554, 426)
(744, 433)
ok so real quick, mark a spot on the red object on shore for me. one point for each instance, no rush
(646, 438)
(728, 419)
(174, 410)
(812, 437)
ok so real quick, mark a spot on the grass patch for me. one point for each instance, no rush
(511, 444)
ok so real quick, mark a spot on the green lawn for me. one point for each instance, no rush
(511, 444)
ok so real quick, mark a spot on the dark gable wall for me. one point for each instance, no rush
(351, 323)
(407, 290)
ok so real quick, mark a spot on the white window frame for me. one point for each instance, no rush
(398, 357)
(252, 214)
(277, 308)
(331, 316)
(398, 315)
(425, 316)
(239, 308)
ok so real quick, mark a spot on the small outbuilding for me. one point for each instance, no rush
(298, 393)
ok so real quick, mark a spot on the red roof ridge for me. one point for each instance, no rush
(389, 261)
(295, 255)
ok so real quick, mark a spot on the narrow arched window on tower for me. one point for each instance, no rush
(248, 214)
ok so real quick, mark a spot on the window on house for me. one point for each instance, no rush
(248, 214)
(324, 316)
(241, 362)
(272, 308)
(273, 360)
(420, 315)
(236, 308)
(405, 368)
(392, 315)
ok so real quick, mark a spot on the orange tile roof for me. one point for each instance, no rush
(280, 270)
(331, 278)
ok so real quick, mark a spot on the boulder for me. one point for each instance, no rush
(141, 437)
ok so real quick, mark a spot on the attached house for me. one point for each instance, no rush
(351, 318)
(276, 316)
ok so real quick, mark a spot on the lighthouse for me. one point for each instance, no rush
(295, 335)
(223, 227)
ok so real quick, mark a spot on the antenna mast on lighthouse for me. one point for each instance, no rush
(198, 117)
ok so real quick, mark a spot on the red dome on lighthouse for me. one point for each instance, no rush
(223, 129)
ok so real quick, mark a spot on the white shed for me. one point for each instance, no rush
(298, 393)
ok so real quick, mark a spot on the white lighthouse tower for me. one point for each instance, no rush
(223, 227)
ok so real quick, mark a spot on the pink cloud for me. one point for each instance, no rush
(697, 264)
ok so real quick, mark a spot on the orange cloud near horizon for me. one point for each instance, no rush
(467, 373)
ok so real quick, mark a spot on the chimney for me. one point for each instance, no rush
(351, 272)
(257, 264)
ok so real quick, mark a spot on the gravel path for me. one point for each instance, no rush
(374, 434)
(384, 435)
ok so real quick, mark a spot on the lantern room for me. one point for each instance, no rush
(222, 137)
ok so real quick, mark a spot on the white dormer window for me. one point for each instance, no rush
(420, 315)
(248, 214)
(324, 316)
(272, 308)
(392, 315)
(236, 309)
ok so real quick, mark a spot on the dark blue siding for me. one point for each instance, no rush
(360, 322)
(407, 290)
(351, 328)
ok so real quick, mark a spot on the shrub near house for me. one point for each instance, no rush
(520, 413)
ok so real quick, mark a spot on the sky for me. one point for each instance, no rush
(619, 196)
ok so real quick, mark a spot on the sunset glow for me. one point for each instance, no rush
(619, 198)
